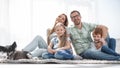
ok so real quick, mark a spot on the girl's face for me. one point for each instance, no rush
(59, 31)
(61, 18)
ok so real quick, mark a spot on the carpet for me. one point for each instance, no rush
(55, 61)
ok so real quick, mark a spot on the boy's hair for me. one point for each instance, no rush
(98, 30)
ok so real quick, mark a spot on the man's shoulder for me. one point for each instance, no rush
(71, 27)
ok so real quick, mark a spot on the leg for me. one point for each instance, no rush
(64, 55)
(47, 55)
(112, 43)
(37, 42)
(38, 52)
(107, 50)
(98, 55)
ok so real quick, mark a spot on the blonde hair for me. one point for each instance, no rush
(52, 30)
(63, 38)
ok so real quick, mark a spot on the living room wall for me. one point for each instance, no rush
(108, 13)
(22, 20)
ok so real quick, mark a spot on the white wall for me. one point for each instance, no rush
(28, 18)
(22, 20)
(4, 22)
(108, 13)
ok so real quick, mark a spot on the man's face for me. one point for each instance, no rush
(76, 18)
(97, 38)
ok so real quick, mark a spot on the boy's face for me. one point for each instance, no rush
(97, 38)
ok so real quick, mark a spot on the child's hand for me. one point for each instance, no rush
(50, 51)
(98, 45)
(58, 49)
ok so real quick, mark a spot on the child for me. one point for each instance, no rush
(60, 46)
(100, 42)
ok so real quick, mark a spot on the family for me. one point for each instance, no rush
(61, 40)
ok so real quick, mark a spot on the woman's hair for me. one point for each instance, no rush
(52, 30)
(62, 38)
(98, 30)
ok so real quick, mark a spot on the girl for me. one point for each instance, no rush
(60, 46)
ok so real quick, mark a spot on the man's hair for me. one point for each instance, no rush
(75, 11)
(98, 31)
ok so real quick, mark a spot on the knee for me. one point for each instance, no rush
(38, 36)
(112, 40)
(45, 56)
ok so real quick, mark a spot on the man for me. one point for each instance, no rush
(80, 35)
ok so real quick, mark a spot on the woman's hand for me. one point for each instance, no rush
(103, 41)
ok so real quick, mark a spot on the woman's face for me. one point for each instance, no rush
(61, 18)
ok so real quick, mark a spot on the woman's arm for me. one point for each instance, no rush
(105, 31)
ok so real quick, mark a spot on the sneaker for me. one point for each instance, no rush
(29, 55)
(35, 58)
(77, 57)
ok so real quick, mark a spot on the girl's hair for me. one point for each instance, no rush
(62, 38)
(52, 30)
(98, 31)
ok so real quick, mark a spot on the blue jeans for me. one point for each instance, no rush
(61, 54)
(110, 49)
(107, 50)
(111, 42)
(98, 55)
(107, 54)
(36, 47)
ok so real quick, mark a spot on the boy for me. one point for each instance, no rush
(100, 43)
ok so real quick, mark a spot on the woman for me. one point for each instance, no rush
(38, 45)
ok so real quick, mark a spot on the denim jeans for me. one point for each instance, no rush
(110, 49)
(111, 42)
(107, 50)
(61, 54)
(98, 55)
(36, 47)
(107, 54)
